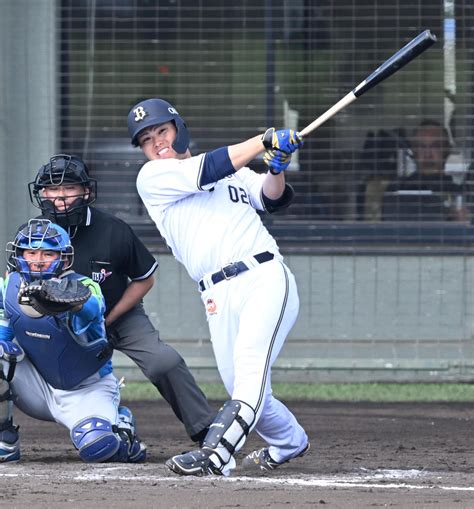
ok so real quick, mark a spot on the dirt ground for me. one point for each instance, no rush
(362, 455)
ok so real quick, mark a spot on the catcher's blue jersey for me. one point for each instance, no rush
(66, 348)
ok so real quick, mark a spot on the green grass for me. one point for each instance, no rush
(376, 392)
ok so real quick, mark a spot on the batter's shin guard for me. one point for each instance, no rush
(228, 431)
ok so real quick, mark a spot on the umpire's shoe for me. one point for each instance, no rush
(196, 463)
(262, 460)
(9, 442)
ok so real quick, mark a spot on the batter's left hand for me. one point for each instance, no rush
(276, 160)
(285, 140)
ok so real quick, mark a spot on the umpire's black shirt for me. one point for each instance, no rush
(108, 251)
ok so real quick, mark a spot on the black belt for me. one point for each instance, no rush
(234, 269)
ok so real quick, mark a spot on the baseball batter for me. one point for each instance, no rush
(205, 207)
(58, 368)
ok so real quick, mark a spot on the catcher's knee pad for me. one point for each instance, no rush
(10, 355)
(229, 430)
(95, 439)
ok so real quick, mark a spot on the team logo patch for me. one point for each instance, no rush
(140, 113)
(211, 307)
(101, 276)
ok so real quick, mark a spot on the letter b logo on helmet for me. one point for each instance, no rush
(154, 112)
(140, 113)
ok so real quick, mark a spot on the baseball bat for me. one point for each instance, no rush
(401, 58)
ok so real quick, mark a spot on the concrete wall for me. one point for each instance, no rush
(361, 318)
(28, 104)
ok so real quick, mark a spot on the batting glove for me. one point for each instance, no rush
(277, 161)
(285, 140)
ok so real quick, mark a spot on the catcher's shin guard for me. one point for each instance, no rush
(226, 435)
(9, 436)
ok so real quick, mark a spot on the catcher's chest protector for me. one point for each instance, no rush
(61, 358)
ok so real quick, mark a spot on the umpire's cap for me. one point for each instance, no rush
(154, 112)
(63, 169)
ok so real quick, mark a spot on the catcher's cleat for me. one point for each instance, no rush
(196, 463)
(9, 444)
(137, 448)
(137, 452)
(262, 460)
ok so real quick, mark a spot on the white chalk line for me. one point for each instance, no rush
(393, 479)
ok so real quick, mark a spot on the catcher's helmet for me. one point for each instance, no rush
(61, 170)
(153, 112)
(40, 234)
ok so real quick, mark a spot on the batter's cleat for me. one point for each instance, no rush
(262, 460)
(9, 444)
(193, 463)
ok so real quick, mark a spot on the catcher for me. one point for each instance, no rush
(58, 367)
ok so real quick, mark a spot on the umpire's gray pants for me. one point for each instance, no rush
(135, 336)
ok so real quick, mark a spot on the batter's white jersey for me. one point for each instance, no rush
(250, 315)
(208, 227)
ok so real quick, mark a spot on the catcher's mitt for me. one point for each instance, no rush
(54, 296)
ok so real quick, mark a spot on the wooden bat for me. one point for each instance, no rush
(402, 57)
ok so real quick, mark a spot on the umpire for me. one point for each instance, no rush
(108, 251)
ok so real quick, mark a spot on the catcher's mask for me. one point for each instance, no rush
(40, 234)
(63, 169)
(154, 112)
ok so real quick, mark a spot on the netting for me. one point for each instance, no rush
(232, 69)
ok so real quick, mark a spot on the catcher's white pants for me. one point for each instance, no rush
(95, 396)
(249, 318)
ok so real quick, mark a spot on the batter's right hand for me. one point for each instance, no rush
(277, 161)
(285, 140)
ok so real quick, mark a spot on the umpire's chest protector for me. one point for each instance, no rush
(62, 359)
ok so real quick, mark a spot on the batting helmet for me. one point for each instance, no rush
(63, 169)
(40, 234)
(153, 112)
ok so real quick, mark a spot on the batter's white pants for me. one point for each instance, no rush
(249, 318)
(95, 396)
